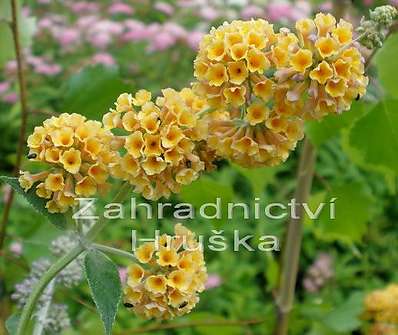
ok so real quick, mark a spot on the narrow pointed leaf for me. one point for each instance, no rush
(104, 281)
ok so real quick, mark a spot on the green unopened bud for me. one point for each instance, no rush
(384, 15)
(373, 31)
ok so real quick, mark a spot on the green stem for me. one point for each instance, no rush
(41, 285)
(294, 237)
(114, 251)
(61, 263)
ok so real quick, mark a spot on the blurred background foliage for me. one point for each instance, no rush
(81, 54)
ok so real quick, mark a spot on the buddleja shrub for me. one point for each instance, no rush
(255, 88)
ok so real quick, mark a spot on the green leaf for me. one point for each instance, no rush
(259, 178)
(205, 191)
(12, 324)
(93, 91)
(104, 281)
(37, 203)
(331, 126)
(353, 209)
(386, 63)
(375, 136)
(345, 318)
(6, 43)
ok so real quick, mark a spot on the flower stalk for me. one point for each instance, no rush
(62, 262)
(285, 298)
(24, 112)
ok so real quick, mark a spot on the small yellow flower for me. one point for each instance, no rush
(98, 172)
(342, 69)
(238, 51)
(301, 60)
(246, 145)
(179, 280)
(186, 119)
(145, 252)
(62, 137)
(124, 102)
(336, 87)
(200, 69)
(152, 145)
(37, 138)
(171, 136)
(43, 192)
(186, 176)
(264, 89)
(232, 39)
(142, 97)
(135, 144)
(133, 295)
(305, 27)
(343, 32)
(237, 72)
(52, 155)
(322, 73)
(324, 23)
(130, 122)
(154, 165)
(150, 123)
(280, 56)
(326, 46)
(256, 40)
(93, 147)
(54, 182)
(256, 113)
(71, 160)
(167, 257)
(257, 61)
(156, 284)
(86, 187)
(26, 181)
(235, 95)
(216, 51)
(135, 274)
(130, 165)
(217, 75)
(176, 298)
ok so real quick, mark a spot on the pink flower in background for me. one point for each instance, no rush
(120, 8)
(16, 248)
(11, 67)
(213, 281)
(85, 22)
(84, 7)
(10, 98)
(48, 69)
(123, 274)
(44, 2)
(193, 39)
(104, 59)
(164, 7)
(252, 11)
(301, 10)
(4, 86)
(175, 29)
(162, 41)
(326, 6)
(135, 31)
(278, 11)
(394, 3)
(67, 37)
(209, 13)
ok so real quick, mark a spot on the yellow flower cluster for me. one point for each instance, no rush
(78, 154)
(381, 307)
(234, 69)
(164, 148)
(168, 276)
(262, 84)
(321, 66)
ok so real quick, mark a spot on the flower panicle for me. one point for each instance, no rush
(167, 277)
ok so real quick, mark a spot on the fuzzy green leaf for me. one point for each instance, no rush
(386, 63)
(95, 88)
(37, 203)
(12, 324)
(104, 281)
